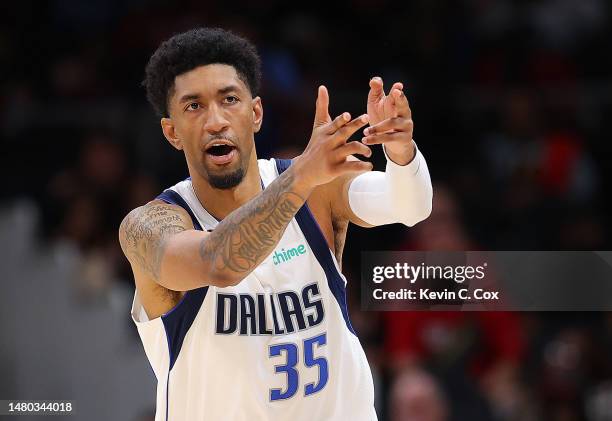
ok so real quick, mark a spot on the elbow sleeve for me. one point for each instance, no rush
(403, 193)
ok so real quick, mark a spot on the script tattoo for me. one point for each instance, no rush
(250, 233)
(144, 233)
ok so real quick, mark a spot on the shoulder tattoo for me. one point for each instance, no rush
(144, 233)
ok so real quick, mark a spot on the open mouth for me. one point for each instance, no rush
(221, 152)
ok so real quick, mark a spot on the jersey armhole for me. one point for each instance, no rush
(138, 312)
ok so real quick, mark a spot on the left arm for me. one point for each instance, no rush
(403, 193)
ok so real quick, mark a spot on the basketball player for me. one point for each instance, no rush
(240, 302)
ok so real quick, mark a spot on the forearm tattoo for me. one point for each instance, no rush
(238, 244)
(144, 235)
(247, 235)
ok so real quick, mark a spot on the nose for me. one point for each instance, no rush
(215, 120)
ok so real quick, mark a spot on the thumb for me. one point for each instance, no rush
(322, 107)
(376, 90)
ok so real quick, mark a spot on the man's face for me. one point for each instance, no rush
(213, 119)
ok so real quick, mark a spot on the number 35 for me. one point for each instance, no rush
(292, 358)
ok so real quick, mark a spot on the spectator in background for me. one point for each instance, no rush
(416, 396)
(539, 167)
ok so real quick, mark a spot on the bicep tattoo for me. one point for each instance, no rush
(145, 231)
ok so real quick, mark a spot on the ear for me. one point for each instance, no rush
(257, 113)
(170, 133)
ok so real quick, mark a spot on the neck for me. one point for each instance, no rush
(221, 202)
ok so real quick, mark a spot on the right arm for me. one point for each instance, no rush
(159, 240)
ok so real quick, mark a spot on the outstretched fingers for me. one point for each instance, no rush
(400, 101)
(338, 123)
(377, 91)
(384, 138)
(391, 124)
(352, 148)
(322, 107)
(345, 131)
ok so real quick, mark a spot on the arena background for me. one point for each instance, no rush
(511, 102)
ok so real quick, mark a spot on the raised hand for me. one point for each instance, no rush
(390, 121)
(325, 156)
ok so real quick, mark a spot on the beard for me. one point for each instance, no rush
(226, 181)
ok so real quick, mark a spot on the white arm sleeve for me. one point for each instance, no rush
(402, 193)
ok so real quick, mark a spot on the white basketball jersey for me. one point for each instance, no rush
(277, 346)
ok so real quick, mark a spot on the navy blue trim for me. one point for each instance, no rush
(178, 321)
(173, 198)
(311, 230)
(167, 394)
(282, 165)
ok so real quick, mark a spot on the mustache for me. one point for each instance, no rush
(222, 136)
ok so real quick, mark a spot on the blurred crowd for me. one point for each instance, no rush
(510, 99)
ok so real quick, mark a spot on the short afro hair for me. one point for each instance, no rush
(198, 47)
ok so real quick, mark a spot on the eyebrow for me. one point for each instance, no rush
(189, 97)
(195, 96)
(228, 88)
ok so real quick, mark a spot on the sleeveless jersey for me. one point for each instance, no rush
(277, 346)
